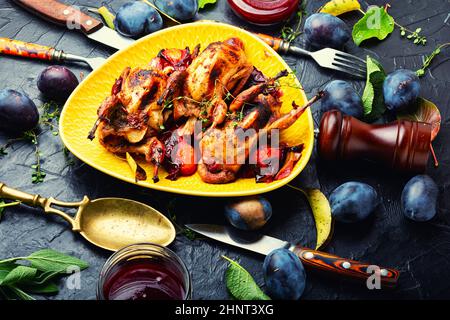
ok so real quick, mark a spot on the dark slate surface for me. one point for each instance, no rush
(420, 251)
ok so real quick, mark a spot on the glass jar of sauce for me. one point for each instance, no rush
(144, 272)
(264, 12)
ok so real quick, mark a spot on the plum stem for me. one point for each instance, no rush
(436, 162)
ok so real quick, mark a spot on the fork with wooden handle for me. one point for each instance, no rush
(36, 51)
(326, 58)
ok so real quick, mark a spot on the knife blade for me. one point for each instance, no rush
(72, 18)
(263, 244)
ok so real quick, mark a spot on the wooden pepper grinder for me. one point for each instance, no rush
(401, 145)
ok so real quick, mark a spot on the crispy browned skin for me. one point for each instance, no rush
(219, 168)
(199, 90)
(177, 84)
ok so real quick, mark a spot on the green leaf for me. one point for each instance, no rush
(21, 294)
(47, 288)
(241, 284)
(5, 269)
(203, 3)
(4, 205)
(50, 260)
(376, 23)
(19, 274)
(372, 97)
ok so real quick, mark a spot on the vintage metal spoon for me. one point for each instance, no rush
(109, 223)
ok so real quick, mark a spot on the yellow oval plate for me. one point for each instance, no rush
(80, 111)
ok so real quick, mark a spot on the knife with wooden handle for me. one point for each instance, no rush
(311, 258)
(72, 18)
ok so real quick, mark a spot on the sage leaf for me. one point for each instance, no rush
(47, 288)
(50, 260)
(241, 284)
(19, 274)
(376, 23)
(203, 3)
(5, 269)
(372, 97)
(20, 293)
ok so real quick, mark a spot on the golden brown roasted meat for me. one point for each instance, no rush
(199, 90)
(223, 152)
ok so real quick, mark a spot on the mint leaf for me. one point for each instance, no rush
(19, 274)
(241, 284)
(376, 23)
(50, 260)
(203, 3)
(372, 98)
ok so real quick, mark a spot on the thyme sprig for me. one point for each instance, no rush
(50, 116)
(428, 59)
(38, 175)
(288, 33)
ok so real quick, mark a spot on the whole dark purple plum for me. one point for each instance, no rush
(18, 113)
(353, 202)
(401, 89)
(419, 198)
(179, 9)
(341, 95)
(284, 275)
(325, 30)
(137, 19)
(249, 213)
(57, 82)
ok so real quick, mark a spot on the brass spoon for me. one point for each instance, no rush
(109, 223)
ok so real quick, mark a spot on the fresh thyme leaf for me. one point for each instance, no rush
(3, 151)
(429, 59)
(241, 284)
(188, 233)
(288, 33)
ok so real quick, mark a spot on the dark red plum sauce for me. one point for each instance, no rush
(144, 279)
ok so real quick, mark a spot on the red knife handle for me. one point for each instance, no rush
(345, 267)
(61, 14)
(27, 50)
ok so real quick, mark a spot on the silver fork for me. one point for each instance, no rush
(327, 58)
(336, 60)
(94, 63)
